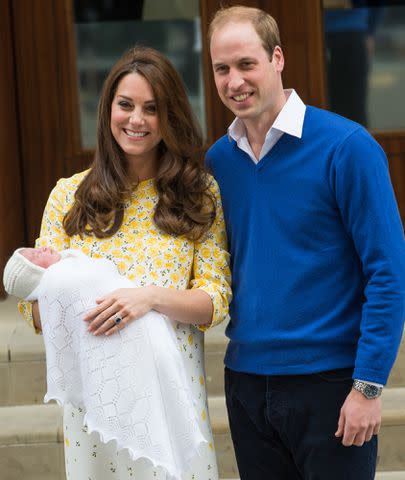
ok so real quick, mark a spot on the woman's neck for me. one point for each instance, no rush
(140, 169)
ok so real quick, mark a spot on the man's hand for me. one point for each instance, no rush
(360, 419)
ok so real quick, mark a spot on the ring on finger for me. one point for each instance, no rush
(117, 319)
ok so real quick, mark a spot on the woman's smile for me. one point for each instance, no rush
(135, 124)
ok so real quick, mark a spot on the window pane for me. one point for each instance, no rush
(106, 29)
(365, 53)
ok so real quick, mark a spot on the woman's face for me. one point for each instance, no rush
(42, 256)
(135, 125)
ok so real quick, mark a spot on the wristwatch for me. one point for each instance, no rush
(369, 391)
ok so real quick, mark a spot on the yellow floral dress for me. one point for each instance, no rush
(144, 253)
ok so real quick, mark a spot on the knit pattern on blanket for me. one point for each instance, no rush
(132, 385)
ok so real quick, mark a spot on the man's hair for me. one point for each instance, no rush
(264, 24)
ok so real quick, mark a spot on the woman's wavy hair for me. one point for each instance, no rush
(186, 205)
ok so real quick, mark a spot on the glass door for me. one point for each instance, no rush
(364, 60)
(365, 48)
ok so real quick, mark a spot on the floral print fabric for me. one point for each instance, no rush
(142, 252)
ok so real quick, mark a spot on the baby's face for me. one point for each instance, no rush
(42, 256)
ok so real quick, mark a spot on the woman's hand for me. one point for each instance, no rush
(36, 317)
(186, 306)
(125, 303)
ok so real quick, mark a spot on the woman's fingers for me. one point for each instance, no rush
(129, 304)
(117, 326)
(100, 315)
(95, 312)
(102, 304)
(115, 322)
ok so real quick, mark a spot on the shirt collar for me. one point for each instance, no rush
(290, 119)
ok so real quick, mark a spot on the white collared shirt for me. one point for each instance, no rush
(290, 120)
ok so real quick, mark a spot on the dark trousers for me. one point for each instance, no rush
(283, 427)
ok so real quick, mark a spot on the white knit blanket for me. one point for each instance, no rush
(132, 384)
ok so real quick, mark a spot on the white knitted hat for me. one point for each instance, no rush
(21, 276)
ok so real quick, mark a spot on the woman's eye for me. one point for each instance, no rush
(151, 108)
(124, 104)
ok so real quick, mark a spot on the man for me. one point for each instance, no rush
(317, 252)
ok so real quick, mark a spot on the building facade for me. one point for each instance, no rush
(55, 54)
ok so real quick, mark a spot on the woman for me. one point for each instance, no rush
(147, 204)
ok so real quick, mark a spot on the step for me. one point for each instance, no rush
(222, 438)
(379, 476)
(397, 376)
(31, 443)
(391, 452)
(22, 360)
(215, 347)
(392, 435)
(390, 475)
(31, 439)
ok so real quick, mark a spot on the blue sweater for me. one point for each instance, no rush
(317, 252)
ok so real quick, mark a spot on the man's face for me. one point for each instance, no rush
(248, 83)
(42, 256)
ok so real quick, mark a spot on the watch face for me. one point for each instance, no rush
(371, 391)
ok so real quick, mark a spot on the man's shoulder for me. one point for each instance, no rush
(349, 142)
(332, 132)
(329, 123)
(218, 147)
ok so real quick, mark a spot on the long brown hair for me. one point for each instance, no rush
(185, 205)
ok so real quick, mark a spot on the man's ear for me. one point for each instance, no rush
(278, 59)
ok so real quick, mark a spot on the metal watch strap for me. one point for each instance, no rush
(368, 390)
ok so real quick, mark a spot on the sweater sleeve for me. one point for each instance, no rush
(52, 234)
(370, 215)
(211, 271)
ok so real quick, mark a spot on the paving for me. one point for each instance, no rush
(31, 439)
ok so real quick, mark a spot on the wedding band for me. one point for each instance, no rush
(117, 319)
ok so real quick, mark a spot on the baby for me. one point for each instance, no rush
(25, 268)
(132, 384)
